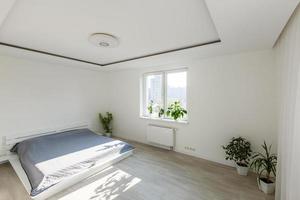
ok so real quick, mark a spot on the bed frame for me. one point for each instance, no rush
(9, 141)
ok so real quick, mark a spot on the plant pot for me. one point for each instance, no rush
(267, 188)
(242, 170)
(108, 134)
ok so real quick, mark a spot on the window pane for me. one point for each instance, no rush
(154, 96)
(176, 88)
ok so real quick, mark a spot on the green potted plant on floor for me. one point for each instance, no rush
(264, 165)
(106, 123)
(175, 111)
(239, 151)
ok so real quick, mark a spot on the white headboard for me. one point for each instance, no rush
(12, 139)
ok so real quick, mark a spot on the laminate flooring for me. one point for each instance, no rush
(150, 174)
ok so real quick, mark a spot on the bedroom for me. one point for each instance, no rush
(232, 66)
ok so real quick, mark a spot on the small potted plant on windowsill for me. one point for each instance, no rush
(150, 108)
(176, 111)
(264, 165)
(239, 150)
(106, 123)
(161, 112)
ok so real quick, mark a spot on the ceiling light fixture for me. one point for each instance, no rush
(104, 40)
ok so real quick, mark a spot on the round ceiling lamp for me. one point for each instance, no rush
(104, 40)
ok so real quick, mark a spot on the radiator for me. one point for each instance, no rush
(160, 136)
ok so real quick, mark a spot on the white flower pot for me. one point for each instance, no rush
(243, 171)
(267, 188)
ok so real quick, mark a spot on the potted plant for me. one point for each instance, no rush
(264, 165)
(106, 123)
(176, 111)
(161, 112)
(239, 150)
(150, 108)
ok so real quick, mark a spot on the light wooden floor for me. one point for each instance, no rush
(151, 174)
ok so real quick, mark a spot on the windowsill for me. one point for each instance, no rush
(165, 120)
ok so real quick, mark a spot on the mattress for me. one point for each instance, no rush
(48, 160)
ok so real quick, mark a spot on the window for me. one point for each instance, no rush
(161, 89)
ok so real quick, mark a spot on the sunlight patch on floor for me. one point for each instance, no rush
(107, 185)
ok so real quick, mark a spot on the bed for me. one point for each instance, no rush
(51, 162)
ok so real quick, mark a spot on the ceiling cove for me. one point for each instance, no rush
(112, 63)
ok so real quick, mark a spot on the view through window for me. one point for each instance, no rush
(161, 90)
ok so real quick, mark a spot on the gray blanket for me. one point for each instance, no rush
(49, 159)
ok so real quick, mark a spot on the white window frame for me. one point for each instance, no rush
(164, 93)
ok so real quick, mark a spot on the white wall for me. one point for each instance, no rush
(233, 95)
(288, 60)
(36, 95)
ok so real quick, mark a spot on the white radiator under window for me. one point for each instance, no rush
(160, 136)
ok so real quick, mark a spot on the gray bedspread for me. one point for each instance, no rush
(49, 159)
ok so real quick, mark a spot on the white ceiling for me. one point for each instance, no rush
(144, 27)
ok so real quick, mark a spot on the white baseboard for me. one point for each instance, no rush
(205, 158)
(183, 152)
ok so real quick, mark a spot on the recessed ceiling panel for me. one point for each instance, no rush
(142, 27)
